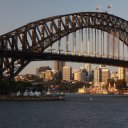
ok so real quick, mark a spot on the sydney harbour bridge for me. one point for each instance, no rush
(90, 37)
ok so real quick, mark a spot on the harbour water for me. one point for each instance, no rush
(77, 111)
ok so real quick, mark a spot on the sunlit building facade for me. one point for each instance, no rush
(58, 67)
(121, 73)
(67, 73)
(105, 74)
(97, 75)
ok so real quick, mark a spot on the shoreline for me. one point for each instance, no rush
(45, 98)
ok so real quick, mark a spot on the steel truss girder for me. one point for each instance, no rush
(39, 35)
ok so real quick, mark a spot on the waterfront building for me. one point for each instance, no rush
(121, 73)
(67, 73)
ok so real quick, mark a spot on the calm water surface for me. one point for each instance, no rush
(78, 111)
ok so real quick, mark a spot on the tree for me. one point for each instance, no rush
(121, 86)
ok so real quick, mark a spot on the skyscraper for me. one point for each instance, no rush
(77, 75)
(121, 73)
(89, 72)
(58, 67)
(97, 75)
(67, 73)
(88, 68)
(105, 74)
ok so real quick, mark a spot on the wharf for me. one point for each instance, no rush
(42, 98)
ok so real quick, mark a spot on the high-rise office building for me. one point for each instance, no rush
(84, 74)
(67, 73)
(89, 72)
(80, 75)
(121, 73)
(88, 68)
(97, 75)
(77, 75)
(58, 67)
(126, 75)
(105, 74)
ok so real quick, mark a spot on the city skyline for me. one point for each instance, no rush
(74, 88)
(15, 14)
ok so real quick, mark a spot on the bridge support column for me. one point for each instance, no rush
(103, 43)
(59, 41)
(42, 35)
(24, 41)
(98, 42)
(113, 45)
(118, 45)
(67, 45)
(95, 42)
(86, 42)
(92, 40)
(82, 45)
(123, 46)
(51, 31)
(66, 28)
(74, 33)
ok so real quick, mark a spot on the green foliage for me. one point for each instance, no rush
(4, 87)
(7, 87)
(121, 84)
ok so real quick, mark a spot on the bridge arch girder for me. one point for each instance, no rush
(65, 24)
(39, 35)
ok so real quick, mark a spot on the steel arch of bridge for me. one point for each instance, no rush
(18, 46)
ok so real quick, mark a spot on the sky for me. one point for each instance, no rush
(16, 13)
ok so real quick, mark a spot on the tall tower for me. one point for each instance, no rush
(67, 73)
(89, 71)
(105, 73)
(121, 73)
(88, 68)
(77, 75)
(97, 75)
(58, 67)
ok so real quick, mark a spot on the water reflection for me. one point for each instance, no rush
(78, 111)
